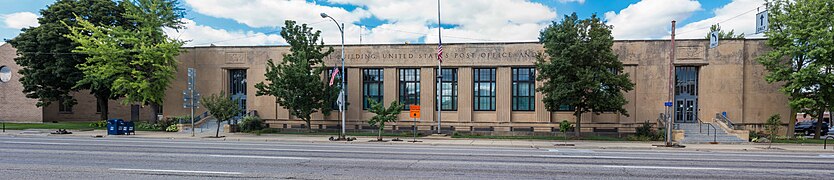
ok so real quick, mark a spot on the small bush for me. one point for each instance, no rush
(172, 128)
(646, 133)
(98, 124)
(251, 123)
(148, 126)
(645, 130)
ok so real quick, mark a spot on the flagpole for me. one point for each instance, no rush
(439, 69)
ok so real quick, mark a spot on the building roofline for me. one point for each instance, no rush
(467, 43)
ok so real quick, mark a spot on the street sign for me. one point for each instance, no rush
(761, 22)
(713, 39)
(415, 111)
(667, 104)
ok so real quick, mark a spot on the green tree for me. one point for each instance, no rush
(722, 34)
(564, 127)
(772, 127)
(383, 115)
(297, 83)
(139, 59)
(800, 35)
(49, 65)
(222, 107)
(579, 68)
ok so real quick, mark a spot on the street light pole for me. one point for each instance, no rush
(342, 74)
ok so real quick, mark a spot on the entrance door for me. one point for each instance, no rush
(686, 94)
(237, 90)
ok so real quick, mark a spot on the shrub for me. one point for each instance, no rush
(148, 126)
(646, 133)
(98, 124)
(251, 123)
(172, 128)
(645, 130)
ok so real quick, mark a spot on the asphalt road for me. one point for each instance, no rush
(137, 158)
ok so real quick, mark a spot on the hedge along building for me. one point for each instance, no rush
(488, 86)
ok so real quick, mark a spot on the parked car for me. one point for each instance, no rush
(809, 127)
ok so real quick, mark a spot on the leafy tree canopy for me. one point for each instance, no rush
(579, 68)
(49, 71)
(722, 34)
(222, 107)
(140, 60)
(383, 114)
(296, 82)
(802, 41)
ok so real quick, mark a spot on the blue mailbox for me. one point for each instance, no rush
(113, 126)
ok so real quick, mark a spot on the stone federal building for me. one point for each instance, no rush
(486, 86)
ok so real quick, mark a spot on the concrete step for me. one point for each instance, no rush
(695, 134)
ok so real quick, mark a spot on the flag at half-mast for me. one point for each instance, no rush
(333, 75)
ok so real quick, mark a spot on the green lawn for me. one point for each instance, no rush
(278, 131)
(49, 125)
(803, 141)
(590, 138)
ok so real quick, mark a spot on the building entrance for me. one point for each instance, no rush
(686, 94)
(237, 89)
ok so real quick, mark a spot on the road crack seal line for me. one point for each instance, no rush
(415, 162)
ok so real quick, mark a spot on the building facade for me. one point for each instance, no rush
(16, 107)
(486, 86)
(490, 86)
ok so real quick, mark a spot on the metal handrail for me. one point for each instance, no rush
(714, 130)
(661, 120)
(196, 118)
(725, 120)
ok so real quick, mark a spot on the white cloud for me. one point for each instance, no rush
(649, 19)
(405, 20)
(479, 21)
(569, 1)
(20, 20)
(745, 23)
(269, 13)
(200, 35)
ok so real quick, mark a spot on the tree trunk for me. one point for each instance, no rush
(101, 102)
(379, 133)
(217, 133)
(309, 128)
(154, 108)
(276, 109)
(578, 129)
(791, 124)
(818, 131)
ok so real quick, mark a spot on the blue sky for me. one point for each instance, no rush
(256, 22)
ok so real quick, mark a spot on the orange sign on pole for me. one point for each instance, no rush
(415, 111)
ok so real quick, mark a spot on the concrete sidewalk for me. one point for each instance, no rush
(635, 145)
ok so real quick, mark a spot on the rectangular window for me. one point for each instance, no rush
(337, 82)
(159, 109)
(566, 108)
(524, 89)
(372, 87)
(409, 87)
(484, 86)
(448, 89)
(63, 108)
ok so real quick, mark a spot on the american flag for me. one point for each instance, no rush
(333, 75)
(440, 52)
